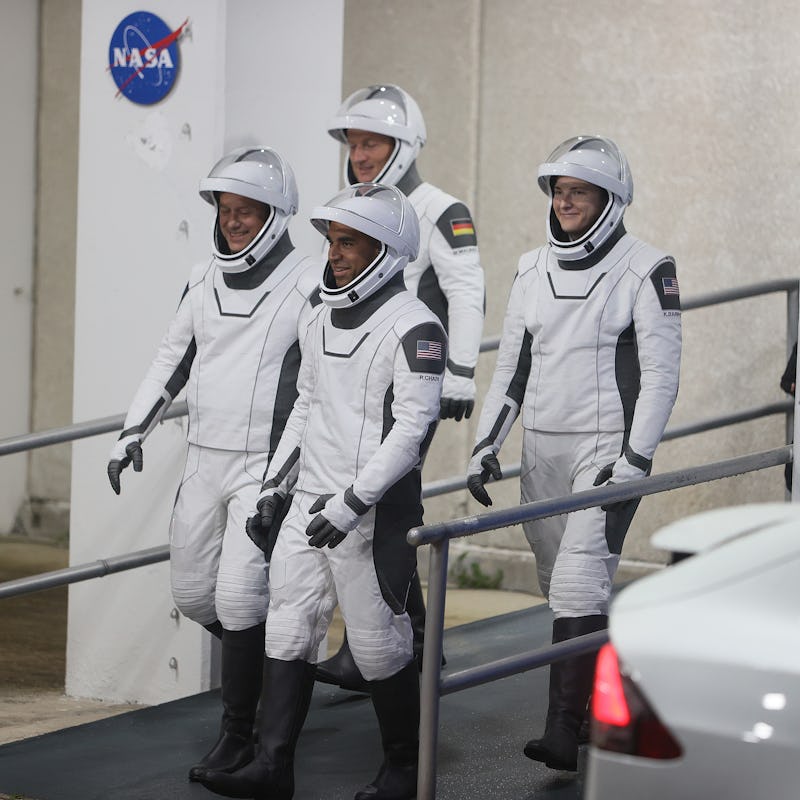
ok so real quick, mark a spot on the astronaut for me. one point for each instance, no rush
(350, 456)
(384, 130)
(234, 344)
(590, 356)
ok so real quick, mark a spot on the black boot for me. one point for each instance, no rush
(570, 688)
(286, 696)
(242, 666)
(341, 670)
(396, 702)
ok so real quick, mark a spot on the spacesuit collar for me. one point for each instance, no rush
(410, 180)
(261, 270)
(597, 255)
(353, 316)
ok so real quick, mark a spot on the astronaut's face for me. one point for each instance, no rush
(577, 205)
(369, 153)
(350, 252)
(240, 219)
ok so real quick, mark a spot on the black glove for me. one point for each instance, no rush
(320, 530)
(450, 408)
(133, 453)
(604, 476)
(263, 528)
(489, 466)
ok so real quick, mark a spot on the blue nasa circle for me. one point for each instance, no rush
(143, 58)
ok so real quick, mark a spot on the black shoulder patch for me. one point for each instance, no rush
(665, 283)
(426, 349)
(457, 227)
(315, 298)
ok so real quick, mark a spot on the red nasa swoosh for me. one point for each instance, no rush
(162, 44)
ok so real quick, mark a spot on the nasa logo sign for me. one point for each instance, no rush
(143, 57)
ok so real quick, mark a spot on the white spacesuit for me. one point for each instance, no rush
(590, 357)
(234, 345)
(447, 273)
(369, 391)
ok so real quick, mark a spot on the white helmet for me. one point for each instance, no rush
(598, 161)
(385, 109)
(260, 174)
(381, 212)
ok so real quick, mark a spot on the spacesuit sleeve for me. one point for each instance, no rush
(417, 385)
(166, 376)
(308, 287)
(506, 392)
(657, 320)
(283, 468)
(453, 251)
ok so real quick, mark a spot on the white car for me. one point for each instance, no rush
(697, 694)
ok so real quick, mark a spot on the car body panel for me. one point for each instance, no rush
(713, 644)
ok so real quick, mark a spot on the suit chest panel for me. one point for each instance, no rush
(575, 309)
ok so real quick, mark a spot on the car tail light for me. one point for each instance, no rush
(622, 720)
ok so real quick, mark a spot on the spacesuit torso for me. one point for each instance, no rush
(595, 349)
(237, 351)
(368, 392)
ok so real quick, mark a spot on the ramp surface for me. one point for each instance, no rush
(145, 754)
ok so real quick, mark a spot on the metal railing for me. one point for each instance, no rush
(438, 536)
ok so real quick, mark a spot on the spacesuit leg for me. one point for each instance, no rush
(241, 594)
(302, 591)
(372, 569)
(545, 472)
(196, 530)
(373, 574)
(579, 595)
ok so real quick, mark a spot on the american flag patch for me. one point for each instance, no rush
(462, 227)
(670, 285)
(429, 349)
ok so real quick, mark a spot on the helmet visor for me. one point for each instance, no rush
(594, 159)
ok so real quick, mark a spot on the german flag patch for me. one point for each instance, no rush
(462, 227)
(457, 227)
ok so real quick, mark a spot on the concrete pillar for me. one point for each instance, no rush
(251, 71)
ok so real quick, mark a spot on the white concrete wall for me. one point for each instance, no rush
(252, 71)
(703, 97)
(19, 43)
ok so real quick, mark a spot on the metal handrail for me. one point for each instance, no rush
(80, 430)
(141, 558)
(438, 536)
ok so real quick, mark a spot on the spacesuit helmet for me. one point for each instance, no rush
(596, 160)
(391, 111)
(260, 173)
(381, 212)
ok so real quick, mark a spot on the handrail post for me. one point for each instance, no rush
(793, 424)
(792, 318)
(430, 691)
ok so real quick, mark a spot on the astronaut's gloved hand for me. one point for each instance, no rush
(127, 449)
(458, 397)
(331, 527)
(618, 472)
(482, 466)
(263, 527)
